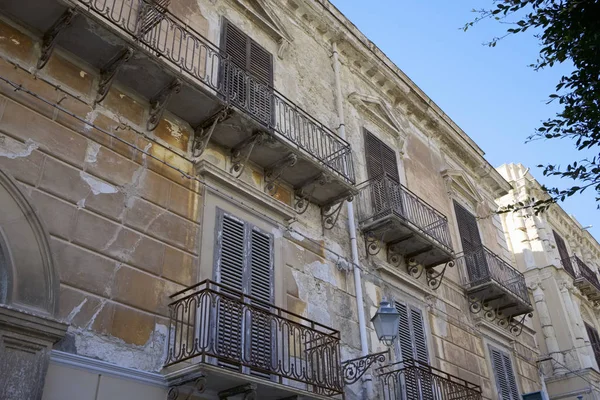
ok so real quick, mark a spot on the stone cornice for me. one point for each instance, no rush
(321, 18)
(42, 327)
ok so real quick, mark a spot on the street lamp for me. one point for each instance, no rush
(386, 321)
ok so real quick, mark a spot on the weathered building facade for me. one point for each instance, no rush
(560, 260)
(209, 199)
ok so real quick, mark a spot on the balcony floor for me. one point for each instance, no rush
(221, 379)
(500, 298)
(587, 289)
(96, 41)
(408, 241)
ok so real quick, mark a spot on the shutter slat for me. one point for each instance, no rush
(381, 159)
(404, 334)
(471, 242)
(505, 378)
(420, 340)
(510, 377)
(564, 254)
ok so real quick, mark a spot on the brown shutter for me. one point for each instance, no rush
(471, 243)
(381, 159)
(250, 79)
(564, 254)
(594, 341)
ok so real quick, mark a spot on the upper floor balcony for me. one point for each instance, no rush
(390, 213)
(233, 344)
(495, 286)
(584, 277)
(146, 48)
(411, 379)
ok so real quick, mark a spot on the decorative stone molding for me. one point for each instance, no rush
(211, 173)
(377, 111)
(26, 340)
(261, 12)
(457, 182)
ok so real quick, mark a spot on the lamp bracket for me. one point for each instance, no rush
(355, 368)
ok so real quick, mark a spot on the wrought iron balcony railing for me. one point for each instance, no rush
(213, 324)
(383, 197)
(483, 266)
(165, 36)
(580, 270)
(412, 379)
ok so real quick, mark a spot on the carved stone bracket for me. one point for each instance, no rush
(204, 131)
(353, 370)
(187, 387)
(435, 277)
(305, 192)
(49, 40)
(393, 256)
(159, 103)
(273, 173)
(241, 153)
(248, 390)
(109, 71)
(331, 212)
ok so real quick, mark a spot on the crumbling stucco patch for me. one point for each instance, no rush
(148, 357)
(91, 152)
(175, 130)
(12, 149)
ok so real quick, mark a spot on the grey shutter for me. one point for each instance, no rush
(230, 272)
(235, 45)
(261, 284)
(505, 378)
(594, 341)
(419, 337)
(471, 243)
(405, 347)
(564, 254)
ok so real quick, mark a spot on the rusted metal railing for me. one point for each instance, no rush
(213, 324)
(580, 270)
(383, 197)
(412, 379)
(483, 265)
(166, 37)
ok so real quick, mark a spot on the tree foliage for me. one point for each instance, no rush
(568, 31)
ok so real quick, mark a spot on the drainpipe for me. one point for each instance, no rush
(364, 347)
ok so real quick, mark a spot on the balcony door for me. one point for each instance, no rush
(248, 78)
(415, 383)
(382, 170)
(244, 263)
(474, 256)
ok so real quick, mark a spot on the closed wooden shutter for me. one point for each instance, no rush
(261, 286)
(564, 254)
(381, 159)
(470, 239)
(505, 378)
(249, 80)
(244, 263)
(230, 272)
(412, 344)
(594, 341)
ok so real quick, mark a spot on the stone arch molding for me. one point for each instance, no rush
(30, 282)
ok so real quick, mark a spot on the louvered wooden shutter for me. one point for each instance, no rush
(505, 378)
(594, 341)
(250, 80)
(230, 272)
(245, 263)
(419, 338)
(261, 286)
(471, 243)
(563, 253)
(381, 159)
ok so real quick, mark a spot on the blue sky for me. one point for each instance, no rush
(491, 93)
